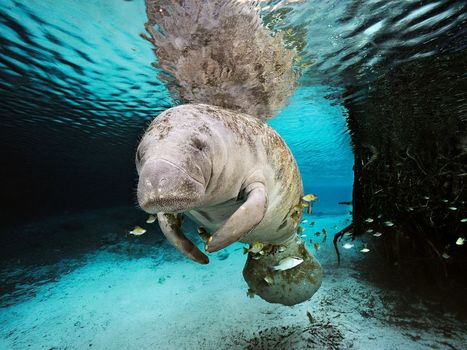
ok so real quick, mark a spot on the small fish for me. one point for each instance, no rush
(299, 207)
(389, 223)
(303, 236)
(347, 246)
(426, 197)
(310, 198)
(300, 229)
(203, 234)
(269, 279)
(304, 221)
(255, 248)
(410, 209)
(380, 216)
(377, 234)
(250, 293)
(365, 248)
(151, 219)
(369, 230)
(313, 223)
(463, 220)
(295, 216)
(222, 255)
(460, 241)
(317, 233)
(287, 264)
(445, 255)
(444, 200)
(316, 245)
(369, 220)
(452, 208)
(324, 231)
(137, 231)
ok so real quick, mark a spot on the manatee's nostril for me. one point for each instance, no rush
(148, 184)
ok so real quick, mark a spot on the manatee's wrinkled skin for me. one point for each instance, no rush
(232, 174)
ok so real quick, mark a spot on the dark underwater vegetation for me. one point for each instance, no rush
(376, 123)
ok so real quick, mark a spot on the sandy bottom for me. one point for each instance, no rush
(81, 282)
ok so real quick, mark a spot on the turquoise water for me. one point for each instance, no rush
(77, 92)
(315, 130)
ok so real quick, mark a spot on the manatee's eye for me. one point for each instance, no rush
(197, 143)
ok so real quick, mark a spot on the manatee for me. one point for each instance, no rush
(234, 175)
(214, 158)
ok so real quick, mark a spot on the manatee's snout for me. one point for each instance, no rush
(166, 187)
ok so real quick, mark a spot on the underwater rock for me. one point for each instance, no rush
(287, 287)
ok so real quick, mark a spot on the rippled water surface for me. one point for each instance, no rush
(80, 69)
(343, 41)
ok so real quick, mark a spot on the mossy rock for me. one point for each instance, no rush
(288, 287)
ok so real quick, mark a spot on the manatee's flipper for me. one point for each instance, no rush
(171, 226)
(242, 221)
